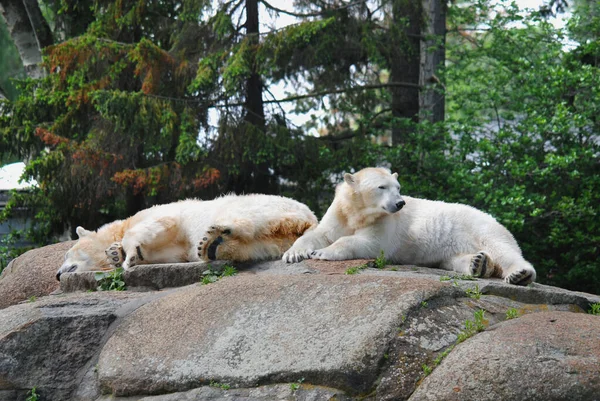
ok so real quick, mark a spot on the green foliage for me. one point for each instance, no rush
(111, 280)
(426, 369)
(10, 63)
(595, 309)
(512, 313)
(222, 386)
(442, 355)
(473, 292)
(534, 161)
(32, 395)
(8, 251)
(212, 275)
(380, 261)
(467, 277)
(356, 269)
(295, 386)
(473, 327)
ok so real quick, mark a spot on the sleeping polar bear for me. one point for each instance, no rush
(238, 228)
(369, 215)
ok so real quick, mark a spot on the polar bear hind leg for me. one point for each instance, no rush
(242, 239)
(519, 273)
(222, 242)
(148, 236)
(479, 264)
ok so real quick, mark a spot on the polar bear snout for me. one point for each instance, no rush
(68, 269)
(395, 205)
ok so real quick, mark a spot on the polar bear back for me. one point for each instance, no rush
(427, 231)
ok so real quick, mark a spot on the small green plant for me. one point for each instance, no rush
(110, 281)
(474, 292)
(296, 386)
(424, 304)
(229, 271)
(31, 299)
(445, 278)
(472, 327)
(356, 269)
(222, 386)
(213, 275)
(512, 313)
(466, 277)
(32, 395)
(441, 356)
(426, 369)
(595, 309)
(380, 262)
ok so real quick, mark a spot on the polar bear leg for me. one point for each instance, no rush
(303, 247)
(224, 243)
(151, 233)
(478, 264)
(349, 247)
(521, 273)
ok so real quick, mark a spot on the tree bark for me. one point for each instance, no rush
(255, 112)
(422, 25)
(433, 57)
(29, 31)
(259, 180)
(405, 66)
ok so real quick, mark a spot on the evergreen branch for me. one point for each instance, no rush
(213, 104)
(346, 90)
(315, 14)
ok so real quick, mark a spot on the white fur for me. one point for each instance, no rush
(362, 222)
(262, 227)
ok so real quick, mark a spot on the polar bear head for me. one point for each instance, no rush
(86, 255)
(376, 189)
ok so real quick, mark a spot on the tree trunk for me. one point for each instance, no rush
(29, 31)
(260, 179)
(433, 57)
(255, 112)
(405, 62)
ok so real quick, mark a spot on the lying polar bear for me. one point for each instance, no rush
(369, 215)
(238, 228)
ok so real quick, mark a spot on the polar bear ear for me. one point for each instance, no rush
(82, 232)
(395, 175)
(350, 180)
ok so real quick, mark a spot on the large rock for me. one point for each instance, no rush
(331, 330)
(47, 343)
(304, 331)
(32, 274)
(541, 356)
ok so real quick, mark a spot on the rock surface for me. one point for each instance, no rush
(558, 360)
(32, 274)
(304, 331)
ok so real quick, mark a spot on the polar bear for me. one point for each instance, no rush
(237, 228)
(368, 215)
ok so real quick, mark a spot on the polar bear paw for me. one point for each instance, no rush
(115, 254)
(328, 254)
(480, 265)
(520, 277)
(214, 236)
(132, 259)
(295, 256)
